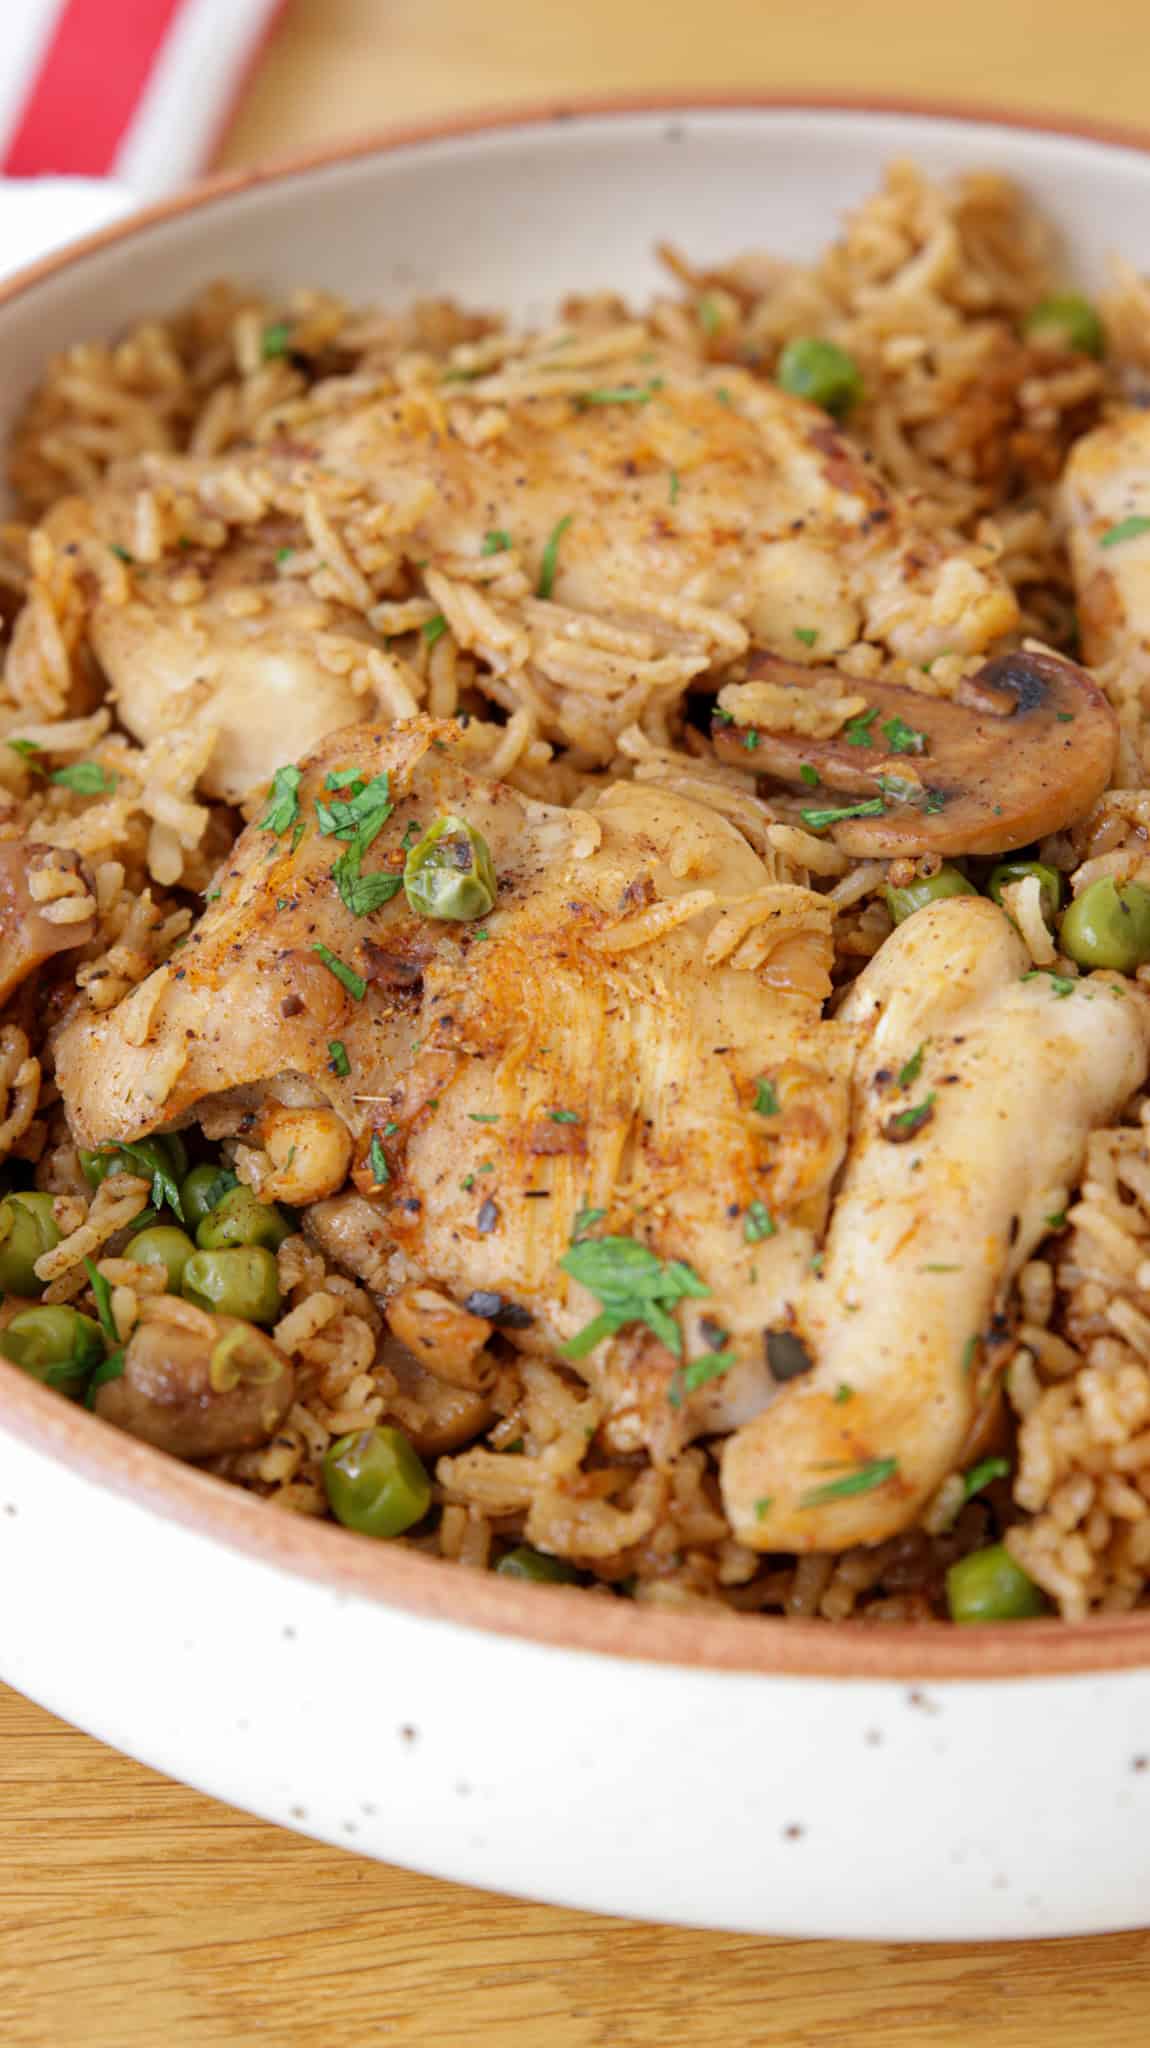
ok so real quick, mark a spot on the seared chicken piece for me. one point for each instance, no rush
(597, 1042)
(1106, 510)
(674, 518)
(1027, 746)
(976, 1085)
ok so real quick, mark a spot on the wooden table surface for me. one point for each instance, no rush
(135, 1914)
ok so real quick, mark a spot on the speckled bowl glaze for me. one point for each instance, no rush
(757, 1775)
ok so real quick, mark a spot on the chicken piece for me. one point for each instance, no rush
(976, 1085)
(701, 511)
(1026, 748)
(47, 906)
(1105, 507)
(597, 1043)
(248, 665)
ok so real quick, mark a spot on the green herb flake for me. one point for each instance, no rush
(284, 554)
(724, 396)
(908, 1075)
(674, 487)
(120, 553)
(807, 634)
(283, 801)
(763, 1506)
(389, 1130)
(857, 731)
(818, 821)
(585, 1220)
(902, 738)
(354, 983)
(550, 560)
(103, 1296)
(1061, 984)
(843, 1394)
(1057, 1221)
(980, 1475)
(758, 1223)
(809, 775)
(86, 778)
(563, 1116)
(937, 1267)
(377, 1160)
(766, 1101)
(275, 340)
(467, 1183)
(634, 1286)
(864, 1479)
(970, 1353)
(621, 394)
(477, 1117)
(710, 315)
(908, 1121)
(28, 751)
(340, 1064)
(1064, 717)
(434, 629)
(1126, 529)
(496, 541)
(751, 740)
(690, 1377)
(165, 1188)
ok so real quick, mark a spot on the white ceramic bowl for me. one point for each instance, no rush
(746, 1774)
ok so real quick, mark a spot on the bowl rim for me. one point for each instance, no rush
(554, 1617)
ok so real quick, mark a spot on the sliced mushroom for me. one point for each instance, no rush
(196, 1384)
(30, 931)
(1026, 747)
(445, 1338)
(437, 1417)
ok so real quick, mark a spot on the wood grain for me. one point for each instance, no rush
(137, 1914)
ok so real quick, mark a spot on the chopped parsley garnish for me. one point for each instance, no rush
(340, 1064)
(622, 394)
(477, 1117)
(284, 554)
(856, 731)
(908, 1075)
(354, 983)
(908, 1121)
(980, 1475)
(275, 340)
(766, 1101)
(1064, 717)
(563, 1116)
(377, 1159)
(710, 318)
(809, 775)
(585, 1220)
(751, 740)
(763, 1507)
(467, 1183)
(688, 1377)
(496, 541)
(818, 821)
(550, 560)
(283, 801)
(87, 778)
(121, 554)
(863, 1479)
(758, 1223)
(361, 894)
(297, 833)
(1062, 984)
(1057, 1221)
(434, 629)
(675, 486)
(359, 818)
(142, 1162)
(1126, 529)
(843, 1394)
(103, 1294)
(30, 752)
(807, 634)
(902, 738)
(723, 395)
(633, 1286)
(389, 1130)
(970, 1352)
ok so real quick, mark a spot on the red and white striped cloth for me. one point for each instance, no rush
(133, 90)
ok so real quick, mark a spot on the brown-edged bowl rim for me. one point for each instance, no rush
(558, 1618)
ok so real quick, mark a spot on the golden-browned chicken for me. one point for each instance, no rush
(608, 1114)
(593, 545)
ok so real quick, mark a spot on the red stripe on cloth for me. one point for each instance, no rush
(88, 86)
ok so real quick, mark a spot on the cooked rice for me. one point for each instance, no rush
(925, 289)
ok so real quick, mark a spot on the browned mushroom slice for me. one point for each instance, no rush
(32, 930)
(1026, 747)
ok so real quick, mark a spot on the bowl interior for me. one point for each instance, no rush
(512, 215)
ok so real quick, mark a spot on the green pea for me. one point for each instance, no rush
(27, 1230)
(902, 903)
(376, 1483)
(203, 1189)
(1067, 318)
(146, 1157)
(1050, 892)
(989, 1586)
(1108, 926)
(449, 872)
(238, 1281)
(57, 1346)
(525, 1563)
(822, 372)
(165, 1246)
(240, 1218)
